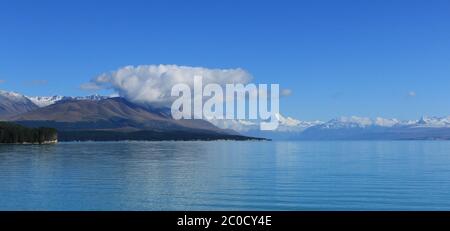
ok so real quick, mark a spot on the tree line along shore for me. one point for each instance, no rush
(11, 133)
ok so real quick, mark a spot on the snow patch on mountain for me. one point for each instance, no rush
(43, 101)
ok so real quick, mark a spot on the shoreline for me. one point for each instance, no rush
(34, 143)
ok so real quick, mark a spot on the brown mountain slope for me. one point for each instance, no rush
(109, 114)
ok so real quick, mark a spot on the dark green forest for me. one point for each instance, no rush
(15, 134)
(145, 136)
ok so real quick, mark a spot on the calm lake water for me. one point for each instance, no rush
(403, 175)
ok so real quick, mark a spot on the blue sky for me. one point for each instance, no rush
(366, 58)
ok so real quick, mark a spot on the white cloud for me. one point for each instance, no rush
(91, 86)
(286, 92)
(412, 94)
(36, 82)
(153, 83)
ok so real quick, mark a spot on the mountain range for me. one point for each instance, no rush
(43, 101)
(350, 128)
(115, 115)
(105, 118)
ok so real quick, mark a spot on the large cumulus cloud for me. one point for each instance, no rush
(153, 83)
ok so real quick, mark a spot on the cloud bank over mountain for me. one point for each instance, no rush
(153, 83)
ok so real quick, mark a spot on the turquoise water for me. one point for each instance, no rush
(226, 175)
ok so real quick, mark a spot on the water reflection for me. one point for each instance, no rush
(226, 175)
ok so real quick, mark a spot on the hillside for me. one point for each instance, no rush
(109, 114)
(115, 119)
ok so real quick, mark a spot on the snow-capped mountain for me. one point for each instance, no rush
(12, 103)
(286, 124)
(364, 122)
(433, 122)
(345, 128)
(43, 101)
(288, 127)
(359, 122)
(362, 128)
(13, 96)
(289, 124)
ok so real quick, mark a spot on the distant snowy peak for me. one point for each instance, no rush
(286, 124)
(433, 122)
(364, 122)
(43, 101)
(360, 122)
(383, 122)
(289, 124)
(14, 97)
(288, 121)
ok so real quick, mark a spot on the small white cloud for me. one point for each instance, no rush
(35, 82)
(286, 92)
(2, 81)
(90, 86)
(412, 94)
